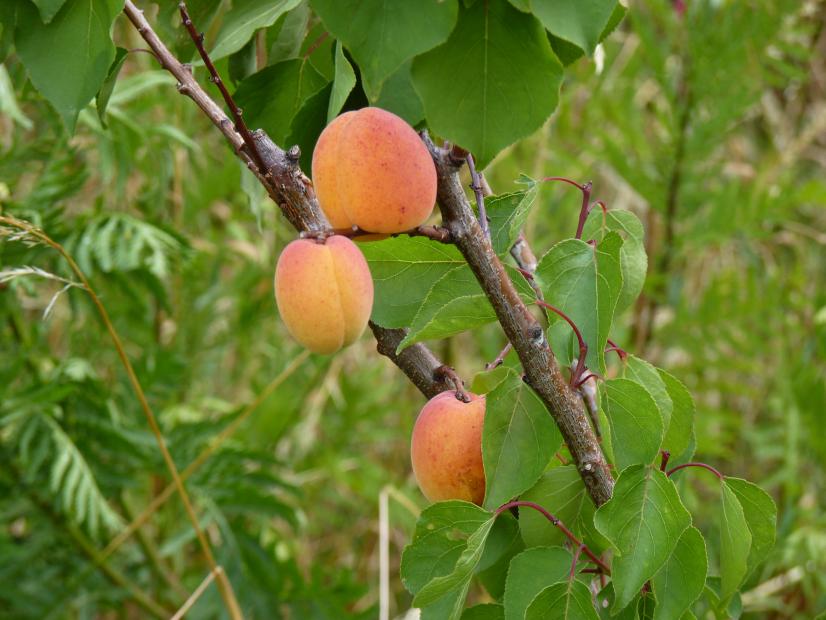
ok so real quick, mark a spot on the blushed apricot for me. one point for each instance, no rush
(446, 449)
(371, 170)
(324, 292)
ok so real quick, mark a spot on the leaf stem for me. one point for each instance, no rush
(562, 528)
(701, 465)
(583, 348)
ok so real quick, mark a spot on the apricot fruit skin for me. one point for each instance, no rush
(370, 169)
(446, 449)
(324, 292)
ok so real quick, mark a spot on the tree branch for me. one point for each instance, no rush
(293, 192)
(525, 333)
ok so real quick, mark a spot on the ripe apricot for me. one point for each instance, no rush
(446, 449)
(371, 170)
(324, 292)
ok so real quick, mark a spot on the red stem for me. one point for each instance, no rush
(703, 465)
(583, 348)
(561, 526)
(664, 462)
(240, 125)
(499, 358)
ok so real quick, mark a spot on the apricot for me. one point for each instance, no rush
(324, 292)
(371, 170)
(446, 449)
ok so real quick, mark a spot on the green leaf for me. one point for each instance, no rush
(643, 520)
(493, 82)
(605, 602)
(584, 282)
(507, 214)
(48, 8)
(530, 572)
(735, 543)
(404, 269)
(682, 579)
(284, 38)
(456, 303)
(519, 437)
(580, 22)
(560, 490)
(569, 600)
(678, 435)
(68, 59)
(636, 423)
(399, 97)
(343, 83)
(633, 258)
(308, 124)
(102, 98)
(382, 34)
(459, 579)
(272, 97)
(647, 376)
(503, 538)
(760, 512)
(487, 611)
(243, 19)
(440, 539)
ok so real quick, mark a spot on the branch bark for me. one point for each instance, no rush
(293, 192)
(542, 371)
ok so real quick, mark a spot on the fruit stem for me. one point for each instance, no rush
(448, 373)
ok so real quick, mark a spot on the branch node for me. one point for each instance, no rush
(294, 154)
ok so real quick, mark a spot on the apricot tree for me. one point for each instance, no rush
(555, 487)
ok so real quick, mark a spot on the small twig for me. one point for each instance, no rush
(701, 465)
(240, 125)
(476, 186)
(562, 528)
(450, 375)
(583, 348)
(664, 462)
(499, 358)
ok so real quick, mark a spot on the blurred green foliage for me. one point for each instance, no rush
(710, 126)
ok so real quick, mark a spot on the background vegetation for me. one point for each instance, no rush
(711, 125)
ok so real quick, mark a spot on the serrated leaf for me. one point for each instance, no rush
(643, 520)
(459, 578)
(580, 22)
(343, 83)
(529, 573)
(561, 491)
(507, 214)
(647, 376)
(404, 269)
(519, 438)
(493, 82)
(272, 97)
(69, 58)
(678, 435)
(243, 19)
(760, 512)
(102, 98)
(438, 542)
(382, 34)
(457, 303)
(584, 282)
(633, 259)
(636, 424)
(569, 600)
(735, 543)
(682, 579)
